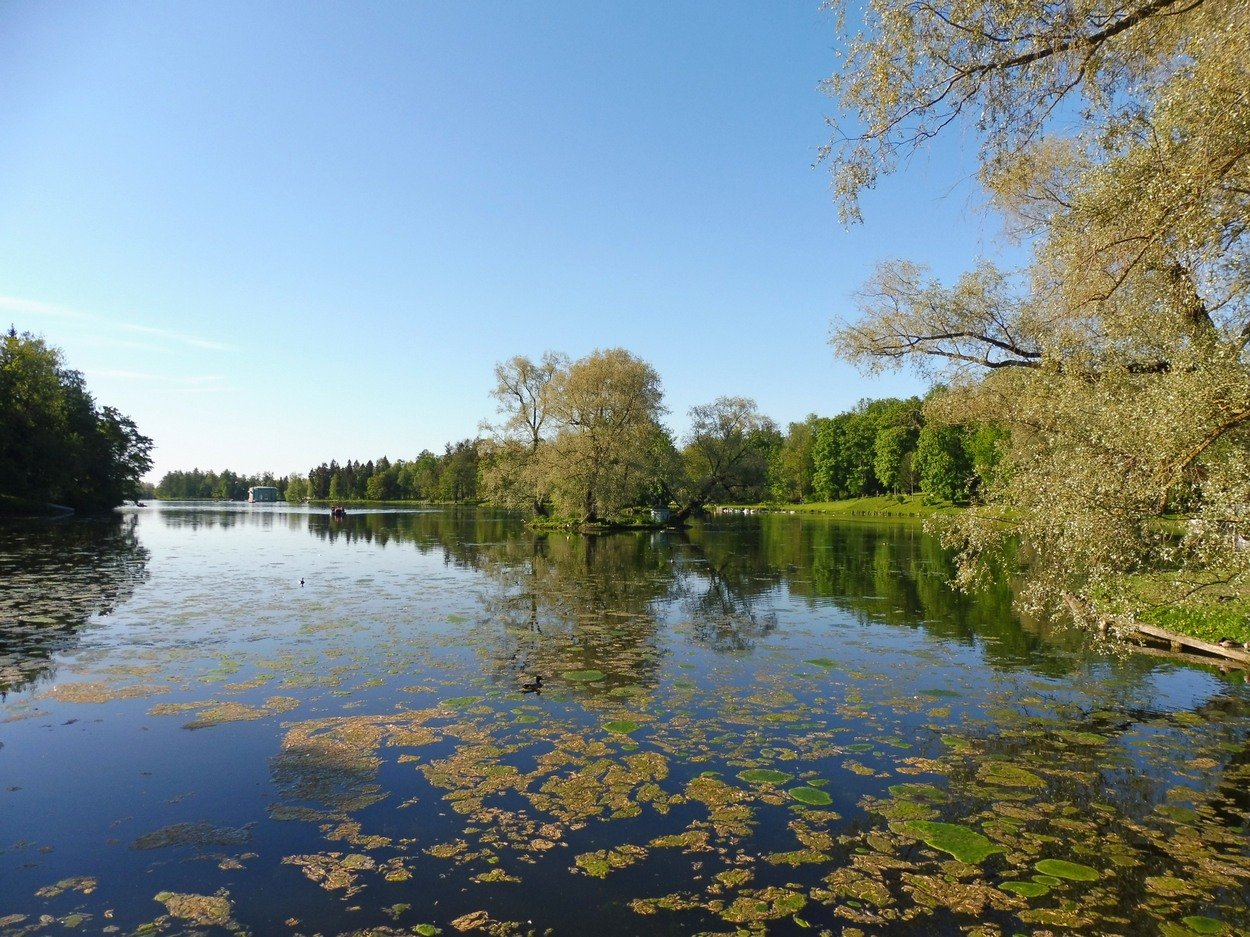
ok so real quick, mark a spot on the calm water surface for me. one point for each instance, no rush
(241, 719)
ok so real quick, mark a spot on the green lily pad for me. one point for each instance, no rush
(460, 702)
(1204, 925)
(426, 930)
(1048, 880)
(1005, 775)
(962, 842)
(811, 796)
(1073, 871)
(821, 662)
(583, 676)
(621, 726)
(1024, 889)
(764, 776)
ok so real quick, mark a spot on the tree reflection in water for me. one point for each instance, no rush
(57, 577)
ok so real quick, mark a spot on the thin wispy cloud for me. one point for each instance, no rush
(100, 341)
(187, 384)
(32, 307)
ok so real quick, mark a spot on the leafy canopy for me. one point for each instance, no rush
(1115, 140)
(56, 444)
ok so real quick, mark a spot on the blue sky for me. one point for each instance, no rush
(276, 234)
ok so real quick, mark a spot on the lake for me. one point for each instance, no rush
(221, 718)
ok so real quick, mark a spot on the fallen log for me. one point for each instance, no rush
(1175, 641)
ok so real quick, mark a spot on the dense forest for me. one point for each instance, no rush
(449, 477)
(57, 445)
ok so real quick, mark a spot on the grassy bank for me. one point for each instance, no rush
(1218, 612)
(899, 506)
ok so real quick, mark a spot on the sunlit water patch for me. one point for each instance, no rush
(231, 719)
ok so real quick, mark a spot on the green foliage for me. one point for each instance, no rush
(451, 477)
(944, 463)
(791, 469)
(582, 439)
(1114, 140)
(728, 451)
(56, 445)
(843, 455)
(225, 485)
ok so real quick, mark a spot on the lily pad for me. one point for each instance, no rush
(1005, 775)
(764, 776)
(583, 676)
(1072, 871)
(1204, 925)
(460, 702)
(821, 662)
(621, 726)
(1024, 889)
(811, 796)
(962, 842)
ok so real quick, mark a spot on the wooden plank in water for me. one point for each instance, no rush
(1162, 634)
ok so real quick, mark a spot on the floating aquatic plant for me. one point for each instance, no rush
(1007, 775)
(1204, 925)
(1073, 871)
(962, 842)
(764, 776)
(1025, 889)
(811, 796)
(583, 676)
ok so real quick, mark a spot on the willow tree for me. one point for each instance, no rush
(523, 397)
(1115, 140)
(583, 437)
(726, 454)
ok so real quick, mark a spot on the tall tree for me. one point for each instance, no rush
(1115, 140)
(791, 468)
(523, 397)
(606, 408)
(727, 452)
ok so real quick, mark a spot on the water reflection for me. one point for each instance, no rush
(765, 725)
(59, 576)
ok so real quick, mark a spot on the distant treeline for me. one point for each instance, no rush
(881, 446)
(451, 476)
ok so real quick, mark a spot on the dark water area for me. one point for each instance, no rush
(257, 719)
